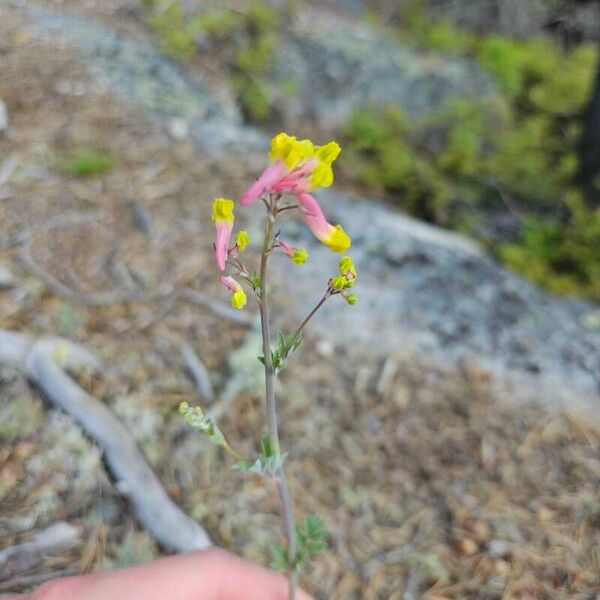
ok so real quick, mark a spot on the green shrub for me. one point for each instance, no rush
(451, 167)
(381, 152)
(439, 35)
(563, 257)
(564, 88)
(248, 40)
(175, 32)
(505, 58)
(530, 160)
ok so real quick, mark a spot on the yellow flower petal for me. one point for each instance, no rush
(291, 151)
(328, 153)
(322, 176)
(338, 240)
(300, 256)
(239, 299)
(242, 240)
(223, 210)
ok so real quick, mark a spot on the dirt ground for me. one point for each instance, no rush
(431, 483)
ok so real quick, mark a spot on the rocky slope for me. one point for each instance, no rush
(423, 290)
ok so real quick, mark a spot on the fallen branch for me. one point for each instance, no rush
(198, 372)
(53, 540)
(43, 362)
(216, 306)
(167, 294)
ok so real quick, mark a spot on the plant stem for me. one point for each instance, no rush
(312, 313)
(284, 493)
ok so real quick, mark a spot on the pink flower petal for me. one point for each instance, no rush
(313, 216)
(269, 177)
(224, 229)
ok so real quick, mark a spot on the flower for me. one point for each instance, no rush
(299, 167)
(238, 299)
(333, 236)
(348, 270)
(339, 283)
(351, 299)
(312, 168)
(241, 240)
(222, 214)
(346, 279)
(298, 256)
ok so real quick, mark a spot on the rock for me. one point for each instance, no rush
(340, 66)
(571, 19)
(135, 70)
(424, 292)
(429, 292)
(179, 129)
(498, 548)
(3, 117)
(7, 279)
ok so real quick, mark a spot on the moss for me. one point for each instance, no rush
(442, 169)
(530, 160)
(86, 162)
(19, 418)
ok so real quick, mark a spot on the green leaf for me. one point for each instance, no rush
(311, 539)
(242, 465)
(279, 559)
(255, 282)
(281, 341)
(267, 464)
(195, 417)
(266, 447)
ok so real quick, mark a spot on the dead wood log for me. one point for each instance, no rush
(44, 362)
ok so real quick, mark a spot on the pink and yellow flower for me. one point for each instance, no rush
(299, 167)
(299, 256)
(222, 214)
(238, 298)
(333, 236)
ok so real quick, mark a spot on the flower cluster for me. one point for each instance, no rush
(298, 167)
(346, 279)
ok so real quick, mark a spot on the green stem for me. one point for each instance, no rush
(286, 499)
(311, 314)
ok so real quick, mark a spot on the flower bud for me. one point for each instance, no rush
(242, 240)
